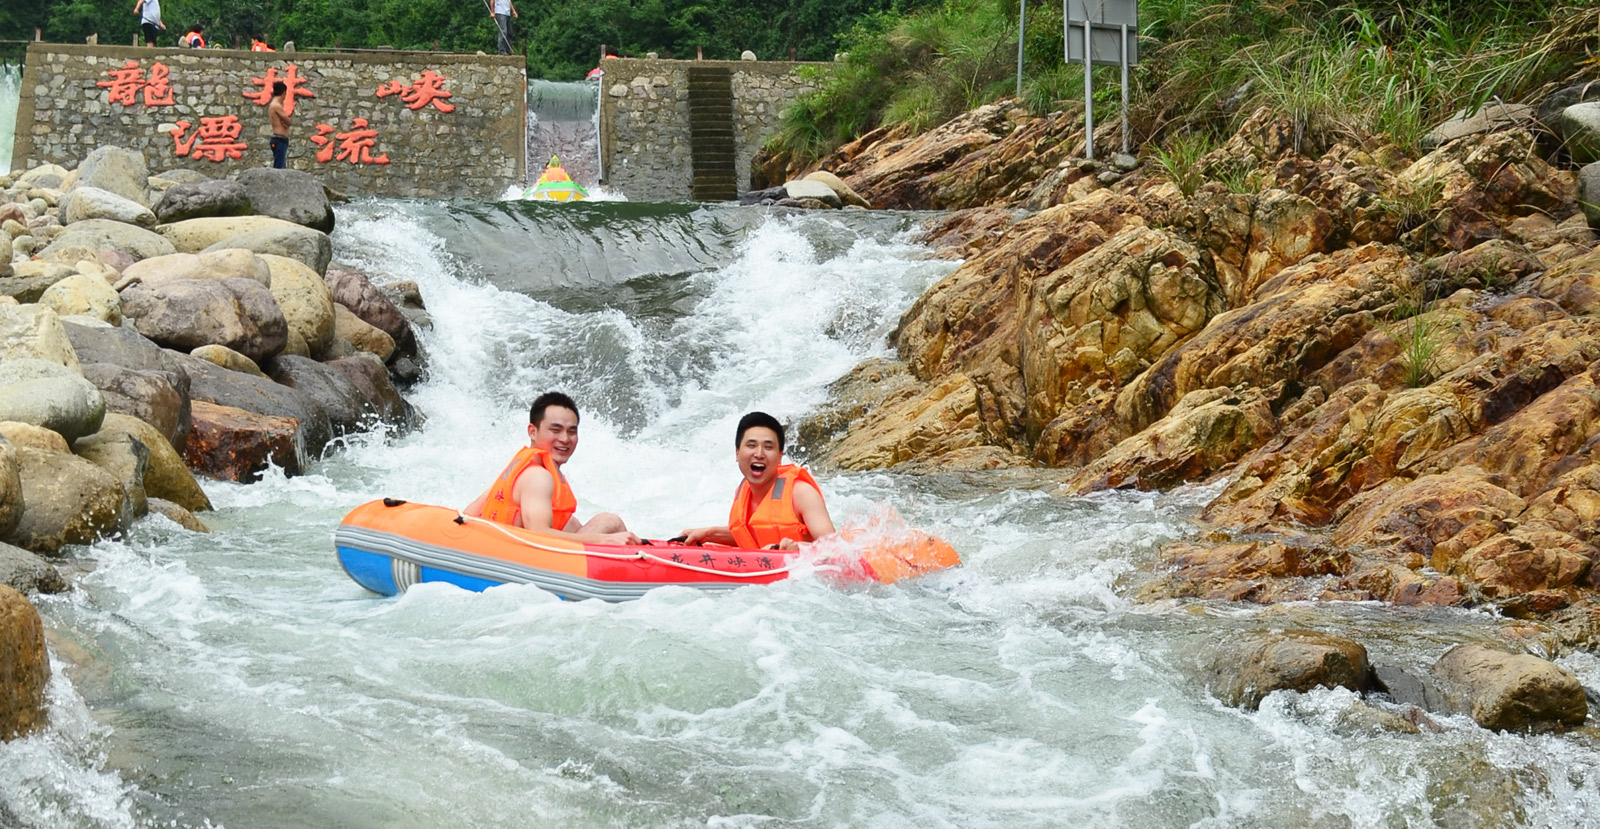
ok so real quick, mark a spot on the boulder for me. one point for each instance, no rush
(70, 501)
(237, 262)
(182, 175)
(227, 358)
(1244, 671)
(159, 398)
(126, 458)
(24, 666)
(95, 234)
(27, 573)
(310, 247)
(379, 396)
(259, 395)
(224, 264)
(1589, 193)
(1504, 691)
(165, 475)
(290, 195)
(5, 254)
(235, 445)
(177, 515)
(47, 394)
(1491, 117)
(85, 203)
(374, 305)
(44, 175)
(11, 504)
(802, 189)
(839, 188)
(33, 437)
(203, 199)
(83, 295)
(188, 313)
(305, 299)
(1551, 107)
(352, 329)
(35, 332)
(1579, 128)
(117, 170)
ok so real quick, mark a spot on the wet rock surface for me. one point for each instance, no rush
(24, 666)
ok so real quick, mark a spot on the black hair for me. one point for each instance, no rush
(763, 420)
(198, 27)
(278, 88)
(545, 401)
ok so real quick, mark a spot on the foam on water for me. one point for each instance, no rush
(240, 678)
(10, 99)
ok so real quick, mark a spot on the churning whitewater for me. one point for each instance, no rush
(240, 679)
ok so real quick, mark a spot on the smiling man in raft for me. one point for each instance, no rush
(777, 505)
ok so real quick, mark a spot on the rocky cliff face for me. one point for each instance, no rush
(1391, 364)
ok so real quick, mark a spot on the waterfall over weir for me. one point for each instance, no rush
(564, 120)
(10, 97)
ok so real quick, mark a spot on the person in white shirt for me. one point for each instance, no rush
(502, 13)
(149, 12)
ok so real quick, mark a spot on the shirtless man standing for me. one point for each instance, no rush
(280, 126)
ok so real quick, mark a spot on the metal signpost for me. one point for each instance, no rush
(1103, 32)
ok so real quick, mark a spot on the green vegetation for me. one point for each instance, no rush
(562, 39)
(1337, 68)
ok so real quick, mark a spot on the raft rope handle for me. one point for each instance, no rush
(639, 555)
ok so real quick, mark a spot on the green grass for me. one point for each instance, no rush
(1182, 161)
(1339, 70)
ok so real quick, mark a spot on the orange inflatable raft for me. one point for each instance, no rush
(386, 546)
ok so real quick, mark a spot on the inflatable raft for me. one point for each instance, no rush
(386, 546)
(555, 185)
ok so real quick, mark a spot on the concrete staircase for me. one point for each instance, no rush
(711, 134)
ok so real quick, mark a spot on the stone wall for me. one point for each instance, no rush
(377, 124)
(644, 119)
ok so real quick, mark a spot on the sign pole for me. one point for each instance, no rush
(1123, 49)
(1088, 92)
(1022, 27)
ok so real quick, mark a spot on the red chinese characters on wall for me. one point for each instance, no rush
(354, 146)
(126, 85)
(218, 139)
(428, 89)
(294, 86)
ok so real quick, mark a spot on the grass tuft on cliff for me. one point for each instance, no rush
(1339, 68)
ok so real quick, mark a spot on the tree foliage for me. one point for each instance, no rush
(561, 39)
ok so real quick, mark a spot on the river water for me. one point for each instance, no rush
(10, 97)
(240, 679)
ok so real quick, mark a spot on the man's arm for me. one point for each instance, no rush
(513, 9)
(137, 6)
(709, 535)
(808, 504)
(533, 492)
(475, 509)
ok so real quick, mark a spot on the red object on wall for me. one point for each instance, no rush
(429, 89)
(128, 82)
(218, 139)
(293, 83)
(354, 146)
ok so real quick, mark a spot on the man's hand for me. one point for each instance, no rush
(788, 545)
(622, 539)
(695, 537)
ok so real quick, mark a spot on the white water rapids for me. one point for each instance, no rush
(241, 679)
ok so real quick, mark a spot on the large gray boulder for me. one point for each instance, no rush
(27, 573)
(36, 332)
(95, 234)
(1246, 669)
(159, 398)
(121, 346)
(188, 313)
(355, 291)
(46, 176)
(11, 503)
(1491, 117)
(1551, 107)
(1589, 193)
(70, 501)
(84, 203)
(1579, 128)
(195, 235)
(810, 189)
(222, 264)
(332, 391)
(212, 197)
(50, 395)
(1505, 691)
(291, 195)
(371, 379)
(312, 248)
(117, 170)
(259, 395)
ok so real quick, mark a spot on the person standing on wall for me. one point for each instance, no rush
(149, 12)
(280, 126)
(502, 13)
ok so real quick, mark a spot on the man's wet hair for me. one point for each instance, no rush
(761, 419)
(545, 401)
(278, 88)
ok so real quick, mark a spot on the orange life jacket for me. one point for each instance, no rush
(194, 40)
(260, 46)
(501, 504)
(774, 519)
